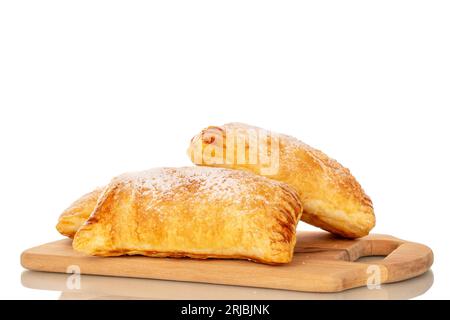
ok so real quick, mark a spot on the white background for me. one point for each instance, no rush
(90, 89)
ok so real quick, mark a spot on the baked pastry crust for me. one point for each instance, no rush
(74, 216)
(332, 198)
(196, 212)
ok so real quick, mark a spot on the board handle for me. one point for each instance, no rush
(403, 259)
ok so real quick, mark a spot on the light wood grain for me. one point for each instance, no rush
(322, 263)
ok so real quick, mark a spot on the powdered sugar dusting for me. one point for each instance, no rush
(216, 183)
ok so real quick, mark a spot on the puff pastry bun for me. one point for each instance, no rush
(332, 198)
(74, 216)
(196, 212)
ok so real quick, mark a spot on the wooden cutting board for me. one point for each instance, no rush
(322, 263)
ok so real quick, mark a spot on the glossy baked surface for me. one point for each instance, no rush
(332, 198)
(77, 213)
(196, 212)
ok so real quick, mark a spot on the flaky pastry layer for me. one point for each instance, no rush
(197, 212)
(332, 198)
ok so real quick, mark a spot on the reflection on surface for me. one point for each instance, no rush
(103, 287)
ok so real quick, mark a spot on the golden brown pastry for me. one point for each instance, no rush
(196, 212)
(73, 217)
(332, 198)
